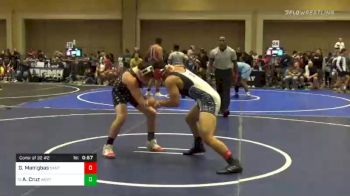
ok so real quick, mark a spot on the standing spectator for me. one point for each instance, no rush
(191, 51)
(238, 52)
(311, 75)
(317, 60)
(343, 73)
(203, 58)
(126, 59)
(155, 58)
(285, 62)
(177, 57)
(339, 45)
(246, 58)
(328, 69)
(224, 60)
(260, 63)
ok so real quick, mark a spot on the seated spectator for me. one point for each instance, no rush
(2, 69)
(311, 75)
(293, 78)
(260, 63)
(22, 73)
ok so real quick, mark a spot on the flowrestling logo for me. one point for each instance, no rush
(309, 12)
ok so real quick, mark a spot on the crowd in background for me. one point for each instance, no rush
(296, 70)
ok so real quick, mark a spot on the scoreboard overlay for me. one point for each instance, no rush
(56, 169)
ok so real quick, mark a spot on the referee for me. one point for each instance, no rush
(224, 59)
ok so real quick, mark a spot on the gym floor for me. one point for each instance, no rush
(289, 143)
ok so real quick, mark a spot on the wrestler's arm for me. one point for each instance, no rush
(134, 89)
(174, 94)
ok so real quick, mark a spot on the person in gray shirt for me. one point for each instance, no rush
(177, 57)
(224, 60)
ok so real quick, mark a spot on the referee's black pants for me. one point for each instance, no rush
(223, 78)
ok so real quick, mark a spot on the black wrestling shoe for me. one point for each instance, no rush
(231, 169)
(226, 113)
(195, 151)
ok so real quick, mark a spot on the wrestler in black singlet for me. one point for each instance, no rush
(121, 93)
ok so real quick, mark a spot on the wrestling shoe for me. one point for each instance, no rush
(158, 94)
(108, 151)
(148, 94)
(226, 113)
(195, 151)
(231, 169)
(153, 146)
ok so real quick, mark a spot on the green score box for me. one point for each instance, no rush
(90, 180)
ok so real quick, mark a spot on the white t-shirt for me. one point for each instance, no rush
(339, 45)
(341, 63)
(177, 58)
(223, 59)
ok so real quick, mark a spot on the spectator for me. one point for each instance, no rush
(2, 68)
(177, 57)
(293, 77)
(343, 73)
(191, 51)
(239, 52)
(126, 59)
(22, 73)
(260, 63)
(203, 58)
(246, 58)
(339, 45)
(328, 62)
(136, 60)
(311, 75)
(286, 61)
(317, 60)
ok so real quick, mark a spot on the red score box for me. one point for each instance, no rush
(90, 168)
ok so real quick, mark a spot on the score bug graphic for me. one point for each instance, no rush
(56, 170)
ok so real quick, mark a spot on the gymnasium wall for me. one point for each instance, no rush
(306, 35)
(62, 6)
(202, 34)
(240, 5)
(17, 10)
(39, 9)
(2, 34)
(91, 35)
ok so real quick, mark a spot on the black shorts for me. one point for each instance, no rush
(122, 95)
(342, 73)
